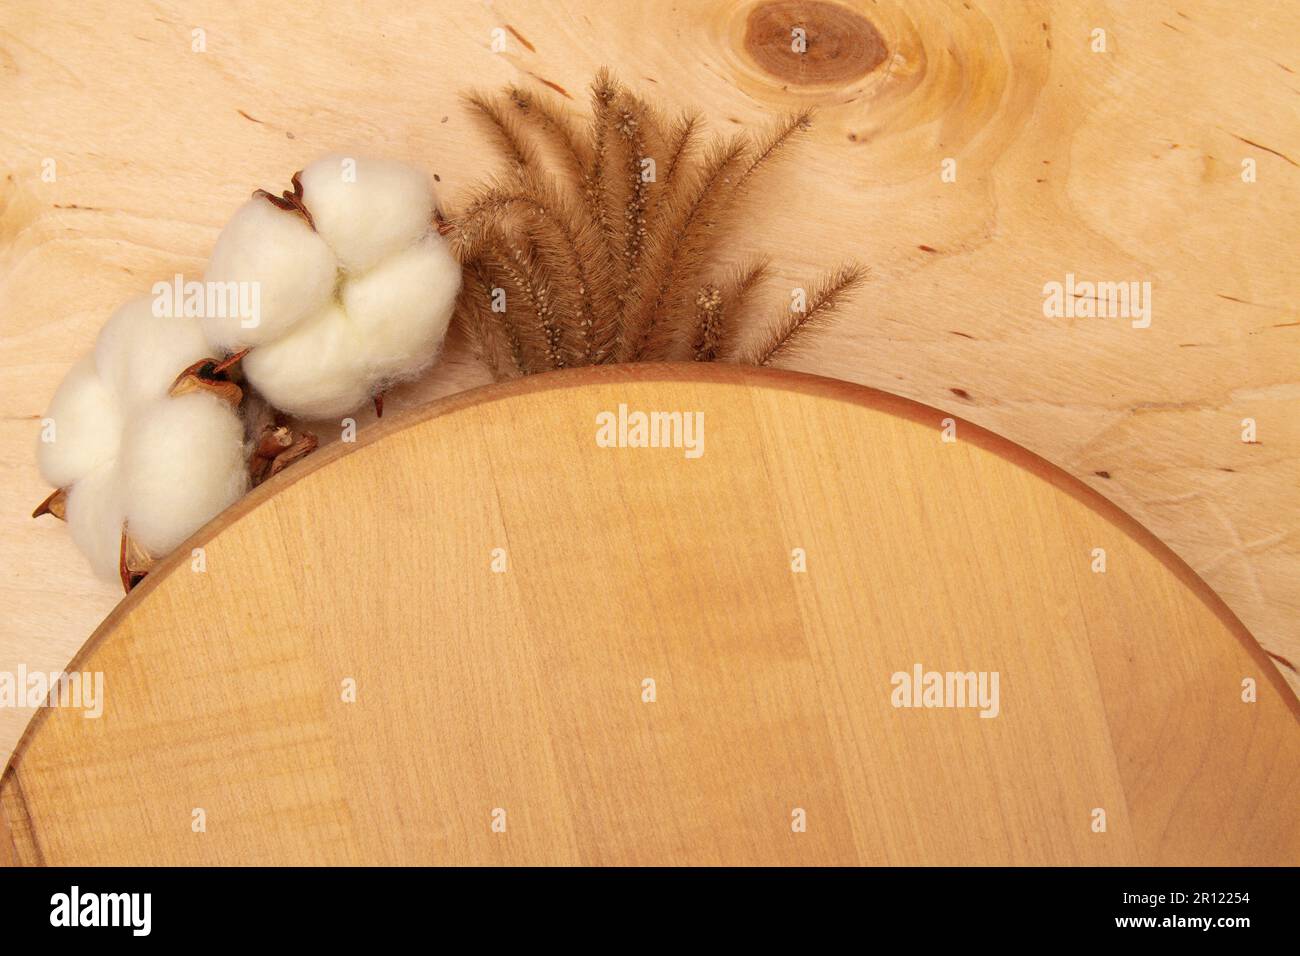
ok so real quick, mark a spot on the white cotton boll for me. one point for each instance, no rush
(87, 423)
(181, 464)
(95, 516)
(128, 453)
(139, 354)
(317, 371)
(367, 209)
(372, 253)
(291, 267)
(401, 308)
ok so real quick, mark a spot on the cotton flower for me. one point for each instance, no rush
(131, 457)
(356, 289)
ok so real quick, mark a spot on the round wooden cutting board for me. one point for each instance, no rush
(482, 636)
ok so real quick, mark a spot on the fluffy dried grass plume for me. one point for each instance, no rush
(599, 242)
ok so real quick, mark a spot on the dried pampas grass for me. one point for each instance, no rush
(600, 242)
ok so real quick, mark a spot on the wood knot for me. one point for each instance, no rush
(810, 42)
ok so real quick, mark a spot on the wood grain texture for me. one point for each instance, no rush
(1116, 166)
(523, 690)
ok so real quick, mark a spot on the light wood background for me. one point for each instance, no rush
(524, 690)
(1122, 166)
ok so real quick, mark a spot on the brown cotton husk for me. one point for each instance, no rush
(273, 440)
(134, 562)
(207, 375)
(289, 201)
(278, 446)
(302, 446)
(56, 504)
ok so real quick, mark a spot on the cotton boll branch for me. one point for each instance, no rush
(349, 286)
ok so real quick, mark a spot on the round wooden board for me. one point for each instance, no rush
(519, 696)
(1119, 166)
